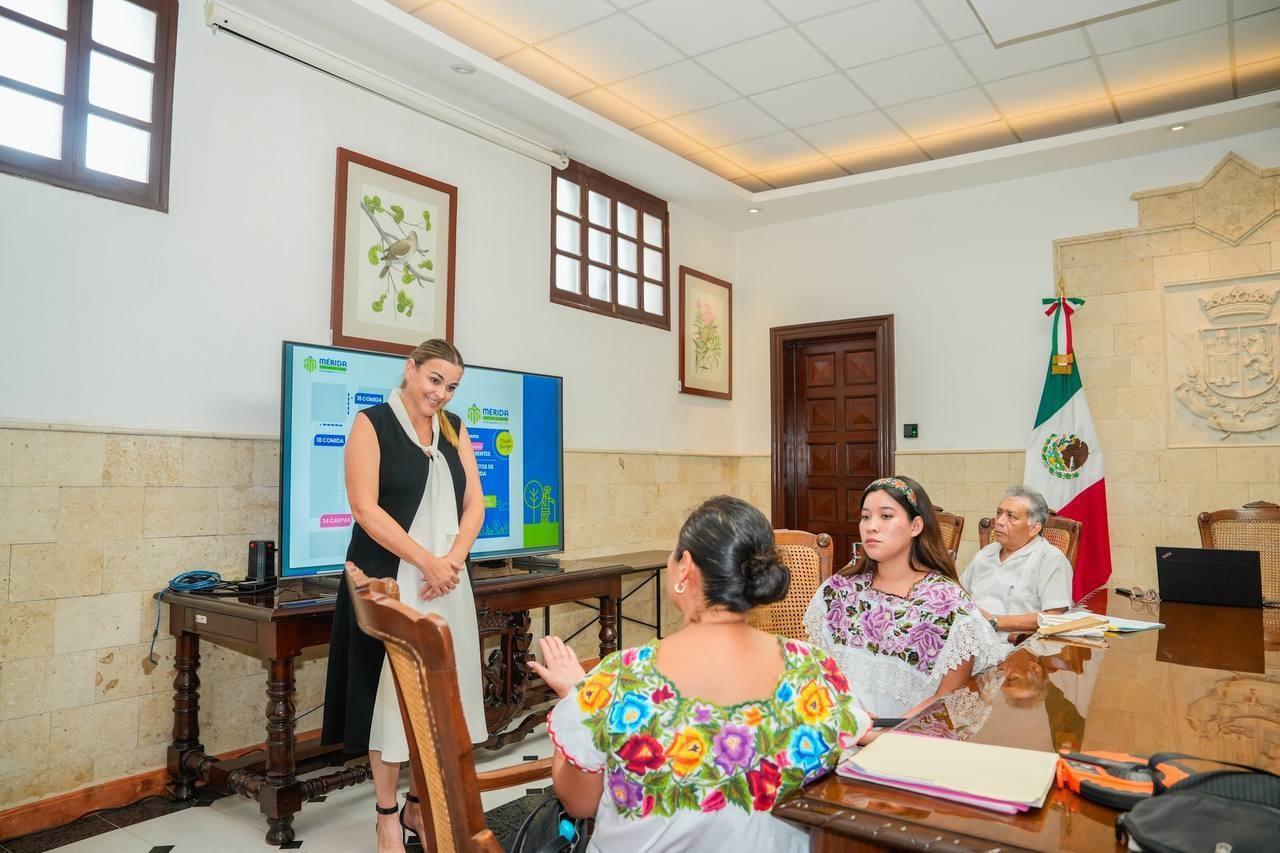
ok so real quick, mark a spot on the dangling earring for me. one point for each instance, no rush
(680, 588)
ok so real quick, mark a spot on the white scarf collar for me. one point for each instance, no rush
(438, 498)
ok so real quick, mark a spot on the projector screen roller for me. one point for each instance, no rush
(513, 420)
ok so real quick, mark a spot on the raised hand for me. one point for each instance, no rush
(559, 667)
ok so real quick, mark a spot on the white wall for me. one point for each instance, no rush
(115, 315)
(963, 272)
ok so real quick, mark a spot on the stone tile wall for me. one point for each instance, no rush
(93, 523)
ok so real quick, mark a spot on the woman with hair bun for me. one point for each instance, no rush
(686, 743)
(897, 620)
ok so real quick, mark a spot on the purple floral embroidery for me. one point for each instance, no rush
(701, 714)
(876, 623)
(840, 582)
(927, 639)
(733, 748)
(837, 618)
(942, 599)
(626, 793)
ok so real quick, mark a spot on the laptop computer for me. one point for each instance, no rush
(1210, 576)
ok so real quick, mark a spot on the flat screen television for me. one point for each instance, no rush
(514, 420)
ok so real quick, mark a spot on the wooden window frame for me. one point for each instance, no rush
(70, 172)
(589, 179)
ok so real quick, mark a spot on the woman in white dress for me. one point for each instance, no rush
(897, 621)
(414, 489)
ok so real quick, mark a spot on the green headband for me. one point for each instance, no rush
(896, 485)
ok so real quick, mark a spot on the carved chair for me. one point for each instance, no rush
(1254, 527)
(1062, 533)
(952, 529)
(808, 556)
(420, 649)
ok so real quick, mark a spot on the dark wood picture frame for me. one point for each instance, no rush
(357, 335)
(685, 387)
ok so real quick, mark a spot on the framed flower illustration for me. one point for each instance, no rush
(393, 256)
(706, 335)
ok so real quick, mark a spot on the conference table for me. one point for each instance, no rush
(1208, 684)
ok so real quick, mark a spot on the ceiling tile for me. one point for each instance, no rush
(532, 22)
(1182, 95)
(1168, 61)
(993, 63)
(805, 173)
(1010, 20)
(970, 139)
(751, 182)
(872, 32)
(813, 101)
(670, 138)
(626, 4)
(869, 130)
(1245, 8)
(1156, 23)
(943, 113)
(471, 31)
(707, 24)
(726, 124)
(611, 49)
(1051, 88)
(887, 157)
(954, 17)
(1258, 77)
(770, 152)
(803, 10)
(680, 88)
(540, 68)
(931, 71)
(767, 62)
(612, 107)
(1258, 38)
(1068, 120)
(409, 5)
(713, 162)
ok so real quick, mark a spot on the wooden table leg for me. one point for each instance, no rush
(278, 798)
(608, 624)
(186, 716)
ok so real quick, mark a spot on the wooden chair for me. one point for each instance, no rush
(421, 653)
(1254, 527)
(1062, 533)
(809, 557)
(952, 529)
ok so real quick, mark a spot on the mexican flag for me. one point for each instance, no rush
(1064, 458)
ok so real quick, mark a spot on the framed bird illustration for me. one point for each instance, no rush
(393, 256)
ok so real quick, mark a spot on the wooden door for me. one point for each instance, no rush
(834, 424)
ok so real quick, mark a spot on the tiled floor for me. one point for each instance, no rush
(343, 823)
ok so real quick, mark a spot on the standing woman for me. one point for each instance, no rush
(414, 490)
(897, 621)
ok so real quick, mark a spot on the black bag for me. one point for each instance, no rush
(549, 829)
(1228, 811)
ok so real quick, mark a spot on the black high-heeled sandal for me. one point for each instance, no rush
(383, 810)
(410, 836)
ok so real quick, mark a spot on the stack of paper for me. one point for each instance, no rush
(999, 778)
(1113, 623)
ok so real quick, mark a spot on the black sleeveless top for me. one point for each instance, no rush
(402, 478)
(355, 658)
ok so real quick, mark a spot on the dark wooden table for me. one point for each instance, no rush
(1208, 684)
(277, 626)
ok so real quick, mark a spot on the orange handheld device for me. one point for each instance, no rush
(1114, 779)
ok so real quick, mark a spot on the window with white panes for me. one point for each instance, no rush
(86, 95)
(609, 248)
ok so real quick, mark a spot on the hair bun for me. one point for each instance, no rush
(766, 578)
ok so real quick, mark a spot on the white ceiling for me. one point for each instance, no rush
(774, 93)
(866, 153)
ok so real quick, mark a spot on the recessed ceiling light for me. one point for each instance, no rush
(753, 210)
(1178, 127)
(463, 68)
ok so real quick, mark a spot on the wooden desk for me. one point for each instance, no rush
(277, 626)
(1208, 684)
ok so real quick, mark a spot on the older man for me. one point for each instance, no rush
(1019, 574)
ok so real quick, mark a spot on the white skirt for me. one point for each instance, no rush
(386, 734)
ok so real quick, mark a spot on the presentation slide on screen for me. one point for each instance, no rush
(512, 419)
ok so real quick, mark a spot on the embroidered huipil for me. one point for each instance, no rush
(684, 774)
(896, 650)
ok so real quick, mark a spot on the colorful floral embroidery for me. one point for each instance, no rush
(914, 628)
(666, 753)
